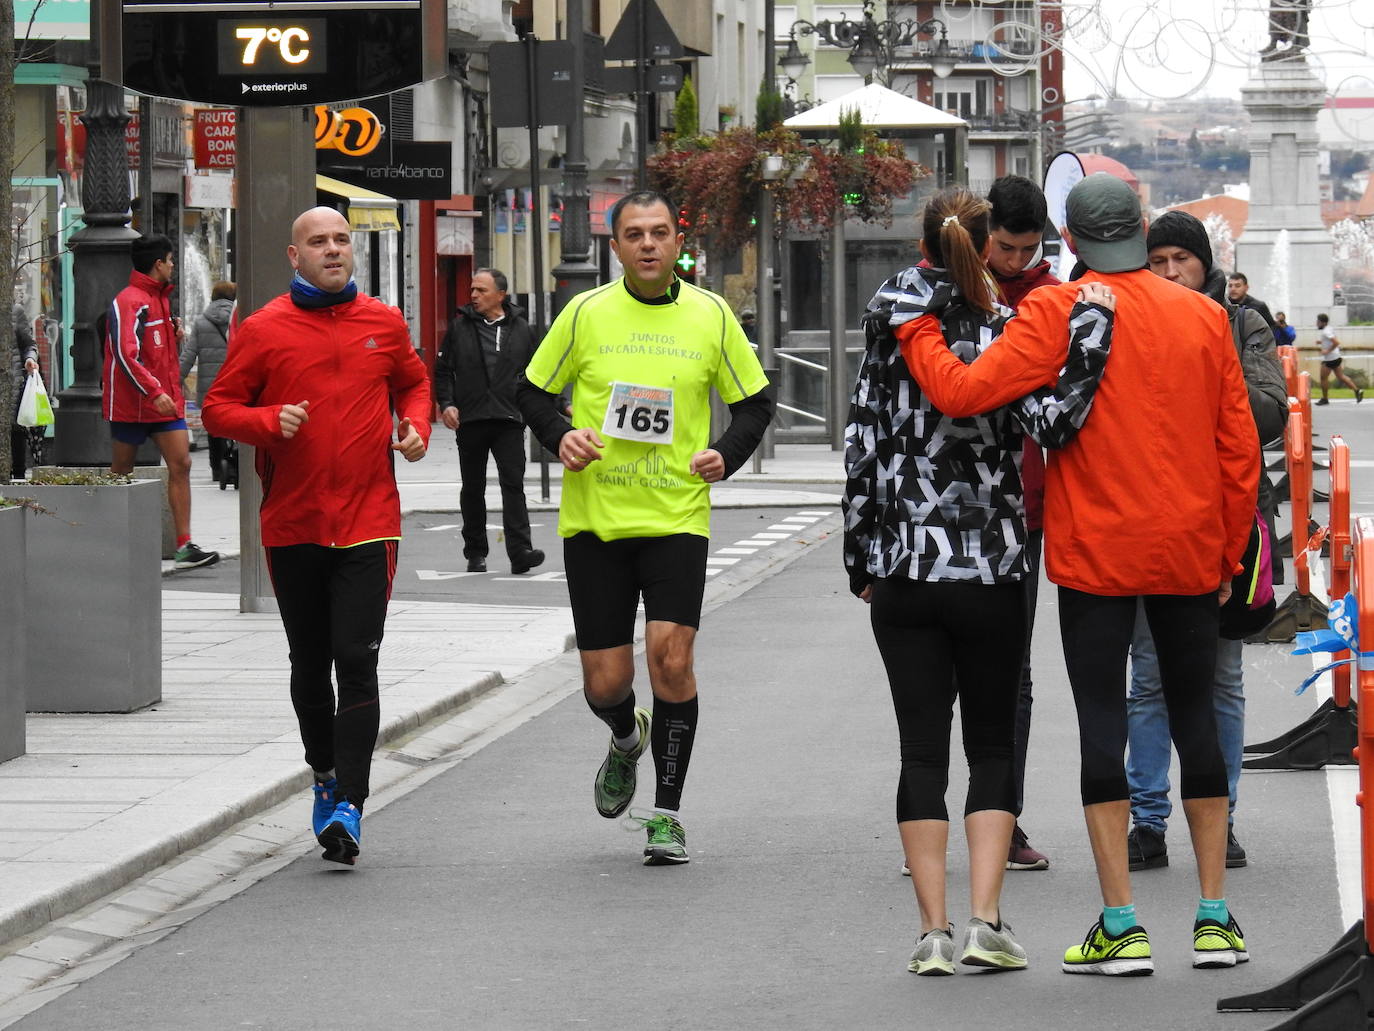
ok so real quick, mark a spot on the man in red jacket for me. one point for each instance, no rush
(140, 386)
(311, 382)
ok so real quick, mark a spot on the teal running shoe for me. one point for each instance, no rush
(614, 787)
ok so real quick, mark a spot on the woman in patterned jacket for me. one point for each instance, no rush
(934, 536)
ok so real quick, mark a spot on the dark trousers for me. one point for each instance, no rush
(216, 447)
(1035, 541)
(1097, 634)
(19, 451)
(333, 606)
(940, 641)
(505, 440)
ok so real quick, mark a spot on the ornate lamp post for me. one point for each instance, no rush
(871, 43)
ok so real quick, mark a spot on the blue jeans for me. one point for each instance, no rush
(1147, 762)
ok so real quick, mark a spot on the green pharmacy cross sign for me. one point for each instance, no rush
(259, 53)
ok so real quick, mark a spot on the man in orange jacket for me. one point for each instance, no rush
(311, 382)
(1153, 499)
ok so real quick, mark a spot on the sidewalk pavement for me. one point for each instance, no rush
(99, 800)
(800, 474)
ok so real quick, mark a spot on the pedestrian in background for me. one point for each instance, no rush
(1238, 293)
(205, 350)
(311, 383)
(484, 353)
(748, 322)
(1330, 346)
(941, 560)
(1180, 251)
(1174, 378)
(141, 384)
(23, 361)
(1284, 334)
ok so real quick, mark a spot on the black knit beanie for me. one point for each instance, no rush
(1180, 229)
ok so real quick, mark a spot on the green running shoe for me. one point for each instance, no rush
(667, 840)
(614, 788)
(934, 955)
(1217, 946)
(1126, 955)
(994, 947)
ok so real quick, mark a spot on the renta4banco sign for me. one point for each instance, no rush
(272, 54)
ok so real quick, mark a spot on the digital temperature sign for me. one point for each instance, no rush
(272, 54)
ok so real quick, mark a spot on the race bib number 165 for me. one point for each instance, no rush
(640, 413)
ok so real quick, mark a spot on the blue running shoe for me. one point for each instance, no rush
(342, 834)
(324, 805)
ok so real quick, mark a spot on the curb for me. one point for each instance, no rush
(89, 887)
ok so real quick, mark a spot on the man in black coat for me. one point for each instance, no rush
(485, 351)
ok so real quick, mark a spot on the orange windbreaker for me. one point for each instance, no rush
(1156, 494)
(333, 482)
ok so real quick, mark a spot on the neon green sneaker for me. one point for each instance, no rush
(614, 788)
(667, 840)
(1126, 955)
(1217, 946)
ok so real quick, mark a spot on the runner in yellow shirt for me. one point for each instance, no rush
(642, 354)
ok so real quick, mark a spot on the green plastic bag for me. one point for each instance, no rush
(34, 407)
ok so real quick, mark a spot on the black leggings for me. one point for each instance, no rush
(1097, 637)
(333, 606)
(939, 640)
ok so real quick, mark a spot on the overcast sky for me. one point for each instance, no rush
(1171, 48)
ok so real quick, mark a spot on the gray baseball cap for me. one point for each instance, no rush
(1103, 214)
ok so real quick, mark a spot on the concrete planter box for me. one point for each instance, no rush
(94, 608)
(12, 663)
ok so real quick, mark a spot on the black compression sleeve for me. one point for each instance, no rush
(542, 414)
(748, 420)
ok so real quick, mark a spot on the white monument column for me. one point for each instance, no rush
(1283, 98)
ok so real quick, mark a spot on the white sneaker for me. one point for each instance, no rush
(934, 953)
(988, 946)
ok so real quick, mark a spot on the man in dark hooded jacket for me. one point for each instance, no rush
(1180, 251)
(485, 351)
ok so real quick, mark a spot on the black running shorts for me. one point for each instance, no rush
(607, 578)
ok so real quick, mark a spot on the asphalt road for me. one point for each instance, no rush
(494, 897)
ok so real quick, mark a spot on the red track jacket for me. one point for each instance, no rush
(141, 353)
(333, 483)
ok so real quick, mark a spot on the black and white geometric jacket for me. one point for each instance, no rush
(934, 498)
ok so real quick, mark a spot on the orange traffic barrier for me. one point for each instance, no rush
(1341, 553)
(1300, 611)
(1288, 358)
(1335, 992)
(1327, 737)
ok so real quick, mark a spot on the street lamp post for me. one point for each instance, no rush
(871, 43)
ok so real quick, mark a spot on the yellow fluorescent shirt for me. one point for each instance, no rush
(642, 376)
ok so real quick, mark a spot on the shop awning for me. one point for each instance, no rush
(368, 212)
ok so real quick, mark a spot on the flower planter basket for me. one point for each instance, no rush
(94, 608)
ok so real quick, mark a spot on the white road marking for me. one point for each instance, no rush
(755, 542)
(438, 574)
(735, 551)
(713, 561)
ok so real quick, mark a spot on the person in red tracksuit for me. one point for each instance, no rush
(1016, 228)
(311, 382)
(140, 384)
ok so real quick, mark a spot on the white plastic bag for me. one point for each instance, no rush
(34, 407)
